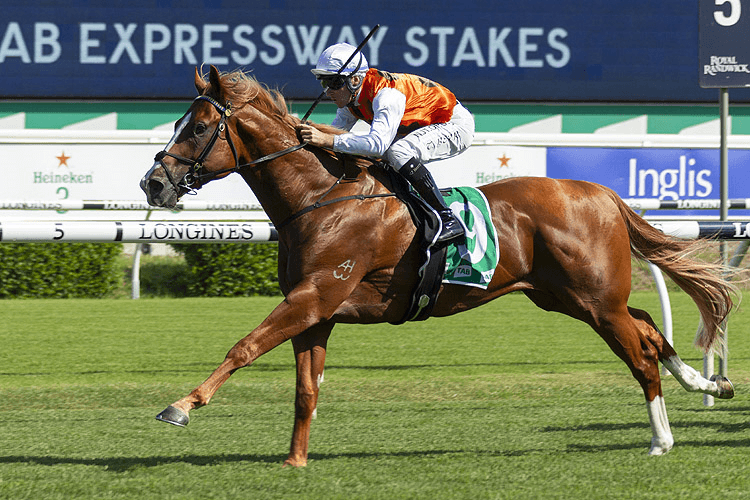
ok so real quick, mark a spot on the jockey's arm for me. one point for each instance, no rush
(344, 120)
(388, 110)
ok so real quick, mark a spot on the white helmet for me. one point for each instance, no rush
(334, 57)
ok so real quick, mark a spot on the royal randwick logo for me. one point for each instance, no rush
(724, 64)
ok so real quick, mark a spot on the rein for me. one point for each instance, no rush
(320, 203)
(197, 175)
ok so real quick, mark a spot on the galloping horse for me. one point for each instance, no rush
(349, 252)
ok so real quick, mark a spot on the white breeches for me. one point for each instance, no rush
(434, 142)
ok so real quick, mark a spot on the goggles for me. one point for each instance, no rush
(333, 83)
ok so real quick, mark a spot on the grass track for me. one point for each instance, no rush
(501, 402)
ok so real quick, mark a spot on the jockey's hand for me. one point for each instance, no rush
(315, 137)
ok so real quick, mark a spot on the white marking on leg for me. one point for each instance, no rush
(690, 378)
(319, 381)
(661, 440)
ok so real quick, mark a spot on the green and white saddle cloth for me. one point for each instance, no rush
(473, 261)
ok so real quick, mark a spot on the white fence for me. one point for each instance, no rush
(15, 231)
(136, 232)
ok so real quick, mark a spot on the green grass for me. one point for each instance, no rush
(505, 401)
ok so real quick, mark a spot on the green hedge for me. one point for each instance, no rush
(230, 269)
(58, 270)
(162, 276)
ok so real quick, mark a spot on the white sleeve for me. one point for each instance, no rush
(388, 110)
(344, 119)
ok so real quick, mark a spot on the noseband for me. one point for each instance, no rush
(197, 173)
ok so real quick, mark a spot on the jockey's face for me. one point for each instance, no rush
(341, 97)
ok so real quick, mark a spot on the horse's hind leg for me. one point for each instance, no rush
(310, 354)
(629, 339)
(624, 336)
(688, 377)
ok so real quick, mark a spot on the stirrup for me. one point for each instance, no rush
(452, 229)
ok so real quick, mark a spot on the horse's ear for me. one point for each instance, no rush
(214, 79)
(200, 83)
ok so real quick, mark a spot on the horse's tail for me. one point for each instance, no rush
(705, 282)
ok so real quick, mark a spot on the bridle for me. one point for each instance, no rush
(197, 173)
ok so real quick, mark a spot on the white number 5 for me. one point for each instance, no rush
(735, 9)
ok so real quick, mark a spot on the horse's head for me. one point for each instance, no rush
(200, 150)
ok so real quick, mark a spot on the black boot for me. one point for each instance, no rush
(421, 179)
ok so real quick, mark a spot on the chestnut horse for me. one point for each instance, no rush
(349, 252)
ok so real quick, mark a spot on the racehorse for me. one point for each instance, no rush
(349, 251)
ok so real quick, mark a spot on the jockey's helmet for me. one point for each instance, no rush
(331, 61)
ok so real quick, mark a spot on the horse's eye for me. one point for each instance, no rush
(200, 129)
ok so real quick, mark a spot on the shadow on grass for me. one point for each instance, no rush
(714, 426)
(203, 368)
(598, 448)
(597, 427)
(125, 464)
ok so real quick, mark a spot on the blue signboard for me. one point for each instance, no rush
(599, 50)
(724, 51)
(665, 174)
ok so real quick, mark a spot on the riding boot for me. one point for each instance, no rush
(423, 183)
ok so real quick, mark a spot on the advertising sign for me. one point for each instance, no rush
(49, 172)
(58, 172)
(724, 55)
(664, 174)
(600, 50)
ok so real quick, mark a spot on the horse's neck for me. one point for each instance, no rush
(288, 184)
(296, 181)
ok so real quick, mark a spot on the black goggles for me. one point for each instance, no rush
(333, 83)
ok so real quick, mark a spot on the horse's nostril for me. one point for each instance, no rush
(155, 187)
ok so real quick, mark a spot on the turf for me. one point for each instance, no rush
(505, 401)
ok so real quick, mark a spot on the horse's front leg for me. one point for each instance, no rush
(300, 310)
(310, 354)
(310, 303)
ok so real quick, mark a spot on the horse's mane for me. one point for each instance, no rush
(241, 88)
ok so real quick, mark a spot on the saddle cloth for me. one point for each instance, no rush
(470, 262)
(473, 261)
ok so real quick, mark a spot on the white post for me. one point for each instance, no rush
(666, 307)
(708, 371)
(135, 283)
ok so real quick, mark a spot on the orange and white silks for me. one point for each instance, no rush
(427, 102)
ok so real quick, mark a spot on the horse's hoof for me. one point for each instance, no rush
(726, 389)
(173, 416)
(295, 462)
(659, 447)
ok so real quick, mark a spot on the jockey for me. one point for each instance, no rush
(412, 121)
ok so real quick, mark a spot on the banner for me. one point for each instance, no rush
(484, 50)
(665, 174)
(58, 172)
